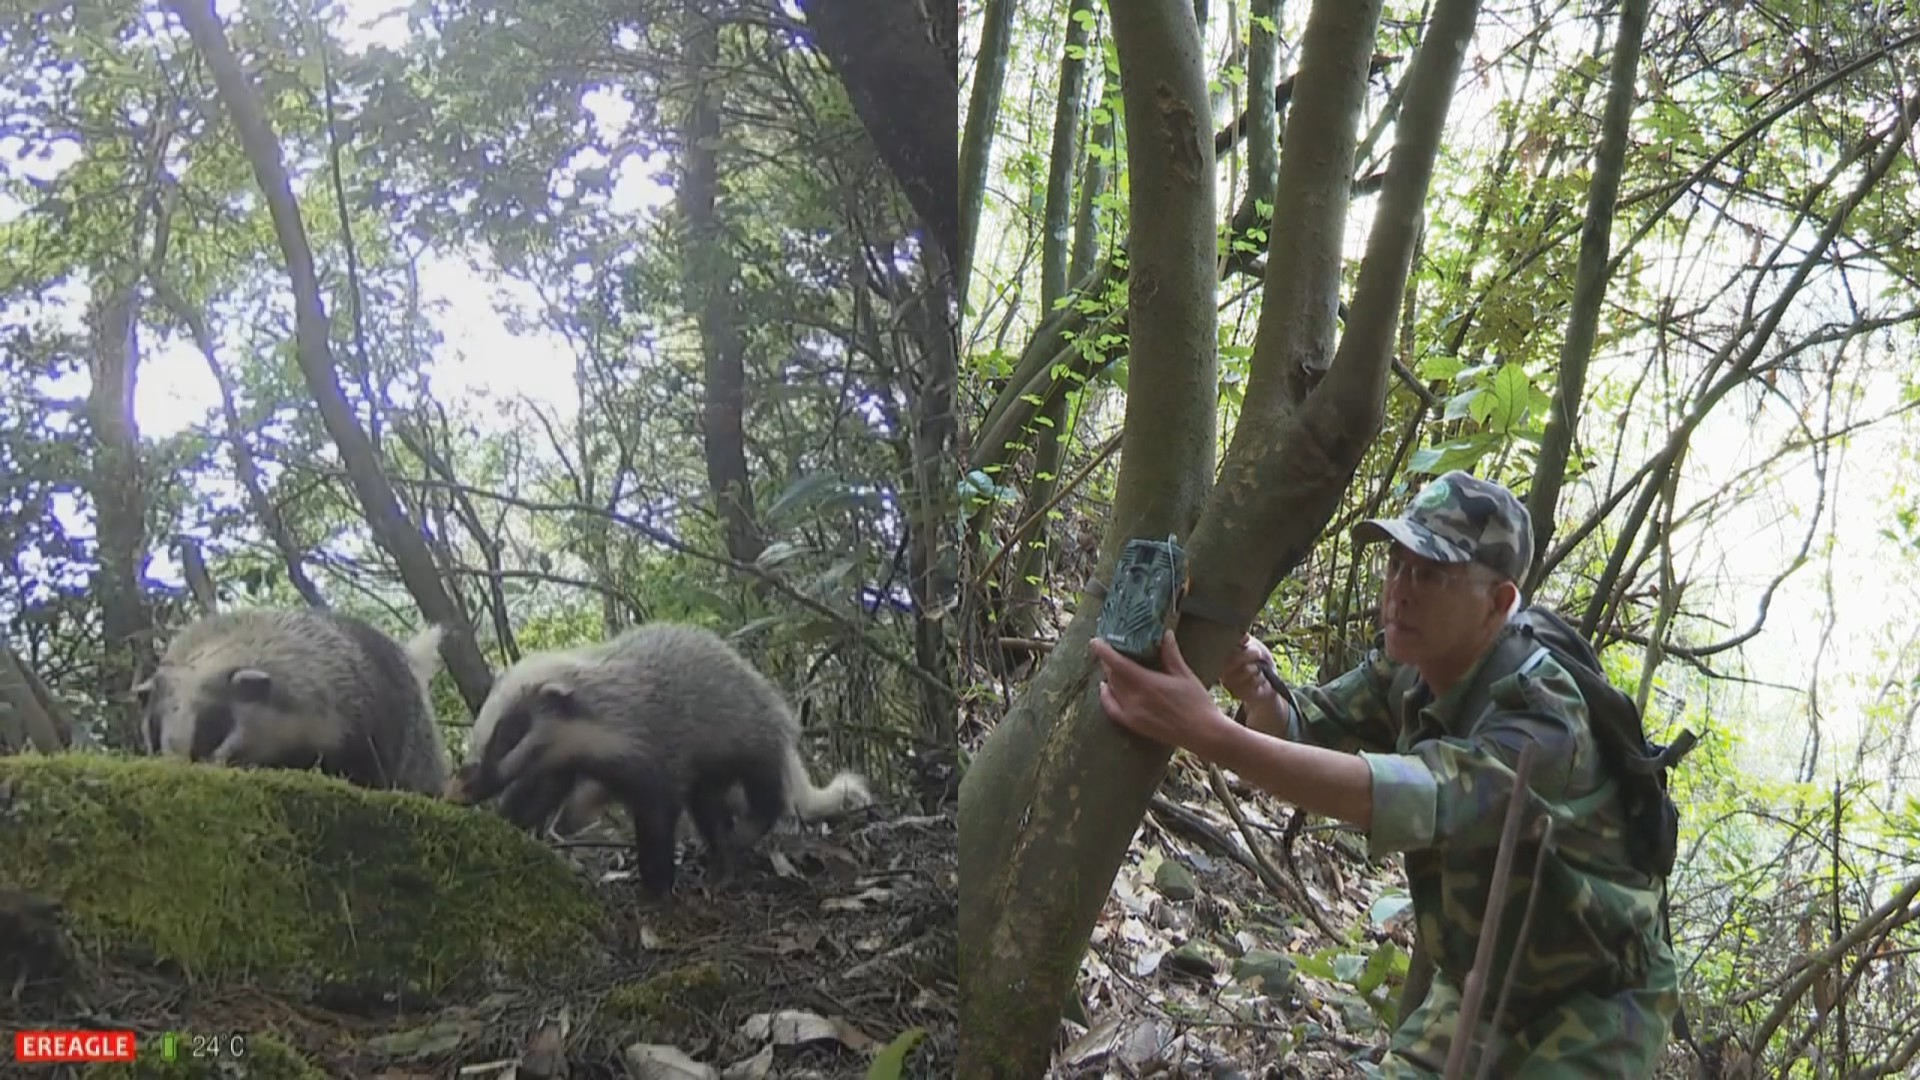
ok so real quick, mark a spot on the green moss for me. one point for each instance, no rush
(672, 1000)
(266, 1058)
(285, 878)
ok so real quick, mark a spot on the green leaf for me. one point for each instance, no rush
(1441, 366)
(1460, 406)
(1510, 392)
(807, 490)
(1539, 402)
(1316, 965)
(834, 575)
(1379, 966)
(891, 1062)
(776, 553)
(1460, 454)
(1348, 966)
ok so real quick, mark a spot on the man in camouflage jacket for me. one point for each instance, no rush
(1417, 747)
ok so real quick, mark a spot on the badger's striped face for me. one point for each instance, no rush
(237, 715)
(520, 723)
(534, 724)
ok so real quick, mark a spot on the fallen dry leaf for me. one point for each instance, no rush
(648, 1061)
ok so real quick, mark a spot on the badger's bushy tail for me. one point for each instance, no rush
(845, 792)
(426, 765)
(423, 652)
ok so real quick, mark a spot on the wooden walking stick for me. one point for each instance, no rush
(1476, 986)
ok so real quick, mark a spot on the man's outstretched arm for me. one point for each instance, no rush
(1172, 707)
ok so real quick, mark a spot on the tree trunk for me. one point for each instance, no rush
(391, 529)
(29, 716)
(1262, 118)
(934, 429)
(983, 112)
(710, 273)
(119, 499)
(1589, 285)
(900, 76)
(1051, 435)
(1093, 184)
(193, 567)
(1039, 843)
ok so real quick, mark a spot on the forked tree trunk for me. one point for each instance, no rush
(1053, 798)
(389, 523)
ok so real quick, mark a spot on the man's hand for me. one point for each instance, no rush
(1243, 677)
(1169, 706)
(1172, 707)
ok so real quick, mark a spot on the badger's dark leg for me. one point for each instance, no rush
(529, 802)
(713, 816)
(764, 779)
(655, 809)
(654, 813)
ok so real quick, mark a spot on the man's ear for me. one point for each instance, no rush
(1506, 594)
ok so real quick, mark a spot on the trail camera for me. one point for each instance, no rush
(1144, 599)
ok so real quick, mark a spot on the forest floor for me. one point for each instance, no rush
(824, 951)
(1199, 969)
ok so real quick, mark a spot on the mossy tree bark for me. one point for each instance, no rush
(389, 523)
(1053, 798)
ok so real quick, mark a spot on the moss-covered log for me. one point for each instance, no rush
(290, 880)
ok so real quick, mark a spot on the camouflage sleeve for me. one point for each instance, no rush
(1348, 714)
(1453, 792)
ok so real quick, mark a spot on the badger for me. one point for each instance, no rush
(665, 718)
(298, 689)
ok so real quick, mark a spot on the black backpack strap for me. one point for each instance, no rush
(1661, 758)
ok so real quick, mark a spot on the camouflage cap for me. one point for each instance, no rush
(1458, 519)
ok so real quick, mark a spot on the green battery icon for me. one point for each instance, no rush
(170, 1046)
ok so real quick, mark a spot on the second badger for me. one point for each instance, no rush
(666, 719)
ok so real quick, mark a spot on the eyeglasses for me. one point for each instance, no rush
(1422, 575)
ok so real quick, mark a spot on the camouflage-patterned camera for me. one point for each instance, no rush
(1143, 601)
